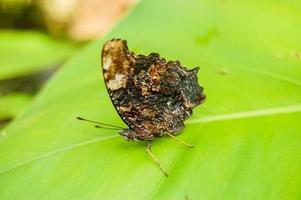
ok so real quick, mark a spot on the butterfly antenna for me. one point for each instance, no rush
(96, 126)
(113, 127)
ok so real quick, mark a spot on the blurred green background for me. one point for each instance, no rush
(38, 36)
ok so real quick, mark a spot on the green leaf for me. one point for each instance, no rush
(24, 52)
(246, 135)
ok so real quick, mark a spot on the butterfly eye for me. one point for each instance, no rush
(128, 135)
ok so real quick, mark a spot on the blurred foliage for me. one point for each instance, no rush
(12, 104)
(21, 14)
(27, 60)
(24, 52)
(79, 20)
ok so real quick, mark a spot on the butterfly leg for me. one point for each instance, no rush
(174, 137)
(155, 159)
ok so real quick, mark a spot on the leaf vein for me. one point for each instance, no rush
(205, 119)
(72, 146)
(247, 114)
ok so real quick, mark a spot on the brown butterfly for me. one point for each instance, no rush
(152, 96)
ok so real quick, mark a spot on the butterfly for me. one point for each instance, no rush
(151, 95)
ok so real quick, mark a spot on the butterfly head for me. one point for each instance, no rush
(129, 135)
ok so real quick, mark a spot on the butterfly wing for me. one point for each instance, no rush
(152, 96)
(117, 64)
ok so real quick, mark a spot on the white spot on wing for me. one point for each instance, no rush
(118, 82)
(107, 63)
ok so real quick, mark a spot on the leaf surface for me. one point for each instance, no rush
(246, 135)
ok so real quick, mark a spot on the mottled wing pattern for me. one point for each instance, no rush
(117, 64)
(151, 95)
